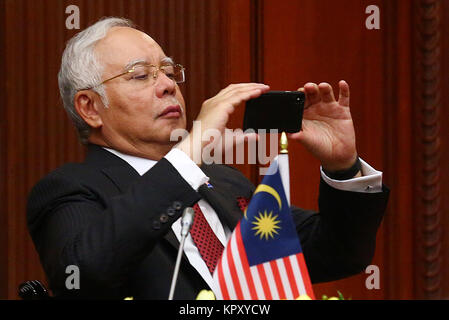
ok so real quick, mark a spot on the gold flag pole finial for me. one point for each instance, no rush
(284, 143)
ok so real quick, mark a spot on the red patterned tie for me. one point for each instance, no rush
(205, 240)
(242, 203)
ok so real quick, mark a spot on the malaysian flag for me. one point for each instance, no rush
(263, 259)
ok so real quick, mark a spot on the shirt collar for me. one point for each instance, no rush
(141, 165)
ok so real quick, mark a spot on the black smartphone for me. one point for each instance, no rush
(281, 110)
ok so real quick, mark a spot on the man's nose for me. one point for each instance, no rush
(164, 85)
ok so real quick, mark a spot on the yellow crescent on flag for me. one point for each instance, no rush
(267, 189)
(270, 190)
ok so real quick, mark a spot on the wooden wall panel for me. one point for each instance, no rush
(398, 154)
(323, 41)
(3, 218)
(444, 156)
(236, 31)
(430, 113)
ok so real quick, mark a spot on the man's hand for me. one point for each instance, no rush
(215, 114)
(327, 128)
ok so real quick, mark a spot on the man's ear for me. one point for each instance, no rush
(86, 104)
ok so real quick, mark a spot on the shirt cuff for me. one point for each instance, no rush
(188, 169)
(369, 182)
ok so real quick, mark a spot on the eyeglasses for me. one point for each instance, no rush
(143, 73)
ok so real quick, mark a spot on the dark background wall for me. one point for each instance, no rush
(397, 74)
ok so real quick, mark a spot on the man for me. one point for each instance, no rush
(116, 215)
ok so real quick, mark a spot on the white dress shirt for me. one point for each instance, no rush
(371, 181)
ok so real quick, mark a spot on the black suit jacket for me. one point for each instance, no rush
(115, 226)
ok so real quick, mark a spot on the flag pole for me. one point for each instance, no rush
(284, 168)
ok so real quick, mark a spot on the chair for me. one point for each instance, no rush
(33, 290)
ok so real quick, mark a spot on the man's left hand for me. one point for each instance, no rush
(327, 128)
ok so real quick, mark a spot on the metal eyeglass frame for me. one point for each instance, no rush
(155, 72)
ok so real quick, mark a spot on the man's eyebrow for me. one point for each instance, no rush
(165, 60)
(135, 62)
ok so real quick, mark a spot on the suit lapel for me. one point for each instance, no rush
(116, 169)
(227, 210)
(223, 203)
(170, 237)
(122, 176)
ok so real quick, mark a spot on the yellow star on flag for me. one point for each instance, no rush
(266, 225)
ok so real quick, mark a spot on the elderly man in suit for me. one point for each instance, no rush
(116, 216)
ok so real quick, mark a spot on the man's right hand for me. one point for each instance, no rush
(215, 114)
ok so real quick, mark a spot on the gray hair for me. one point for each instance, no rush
(80, 69)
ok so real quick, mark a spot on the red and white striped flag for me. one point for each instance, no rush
(263, 259)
